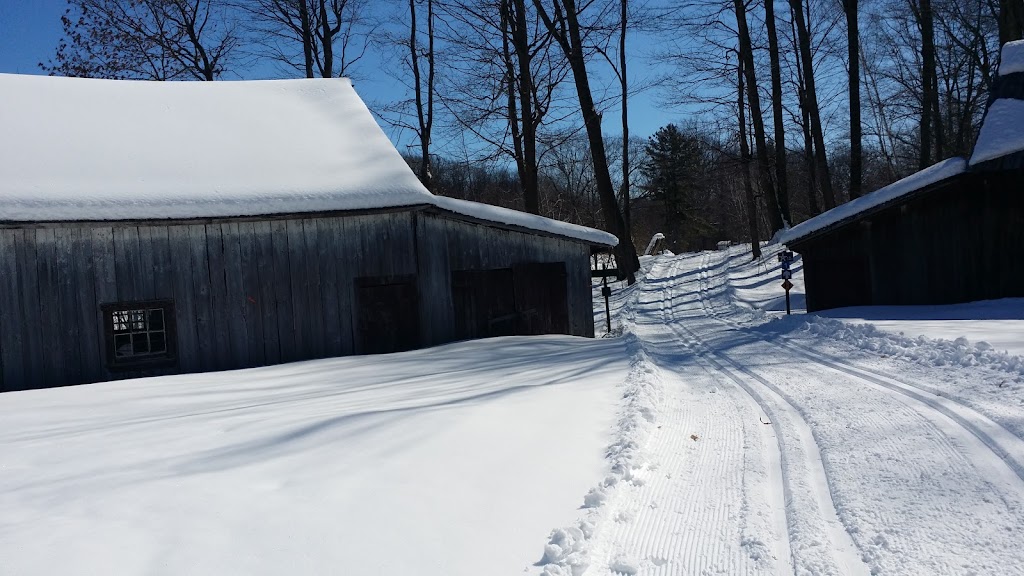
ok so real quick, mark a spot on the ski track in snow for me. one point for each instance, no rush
(764, 455)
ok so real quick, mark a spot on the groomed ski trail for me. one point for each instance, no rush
(771, 457)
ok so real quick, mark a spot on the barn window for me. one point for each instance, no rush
(140, 334)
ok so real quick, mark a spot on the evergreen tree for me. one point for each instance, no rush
(675, 164)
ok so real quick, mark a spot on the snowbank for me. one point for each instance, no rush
(928, 176)
(76, 149)
(1001, 132)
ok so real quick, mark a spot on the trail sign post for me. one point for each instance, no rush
(786, 257)
(607, 292)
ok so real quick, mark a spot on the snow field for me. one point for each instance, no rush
(452, 460)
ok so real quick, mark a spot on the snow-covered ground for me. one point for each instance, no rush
(455, 460)
(711, 435)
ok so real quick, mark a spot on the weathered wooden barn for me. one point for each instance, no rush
(951, 233)
(158, 228)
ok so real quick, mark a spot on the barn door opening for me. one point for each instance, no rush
(388, 317)
(541, 298)
(484, 303)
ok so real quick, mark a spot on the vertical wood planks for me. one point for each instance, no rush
(298, 284)
(205, 328)
(310, 271)
(283, 290)
(69, 333)
(251, 296)
(235, 301)
(267, 295)
(183, 290)
(12, 315)
(222, 343)
(328, 268)
(48, 319)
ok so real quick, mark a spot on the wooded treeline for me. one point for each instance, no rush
(774, 112)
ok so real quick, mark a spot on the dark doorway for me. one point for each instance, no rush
(541, 298)
(388, 314)
(484, 302)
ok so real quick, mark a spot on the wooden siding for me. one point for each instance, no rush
(961, 242)
(246, 292)
(478, 247)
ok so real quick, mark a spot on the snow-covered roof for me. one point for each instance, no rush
(1012, 58)
(1002, 131)
(524, 220)
(928, 176)
(75, 149)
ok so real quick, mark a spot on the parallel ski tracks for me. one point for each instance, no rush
(1004, 444)
(802, 474)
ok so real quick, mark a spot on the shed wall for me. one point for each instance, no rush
(958, 243)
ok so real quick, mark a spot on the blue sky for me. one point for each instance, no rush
(30, 31)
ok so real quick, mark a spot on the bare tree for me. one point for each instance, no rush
(746, 56)
(781, 179)
(810, 100)
(145, 39)
(748, 188)
(563, 24)
(424, 105)
(322, 38)
(853, 57)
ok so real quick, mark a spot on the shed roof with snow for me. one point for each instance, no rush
(77, 149)
(1000, 145)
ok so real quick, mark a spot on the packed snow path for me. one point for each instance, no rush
(770, 457)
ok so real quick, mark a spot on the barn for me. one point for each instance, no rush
(953, 232)
(152, 228)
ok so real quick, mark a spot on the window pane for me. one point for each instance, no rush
(138, 320)
(140, 343)
(120, 321)
(156, 319)
(157, 343)
(123, 345)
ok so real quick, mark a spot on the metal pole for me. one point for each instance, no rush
(607, 292)
(787, 302)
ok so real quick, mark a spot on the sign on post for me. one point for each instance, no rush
(786, 257)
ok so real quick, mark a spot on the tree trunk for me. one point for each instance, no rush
(781, 168)
(930, 140)
(812, 181)
(327, 39)
(425, 116)
(753, 98)
(1011, 20)
(307, 37)
(811, 101)
(624, 80)
(529, 179)
(566, 32)
(748, 188)
(853, 53)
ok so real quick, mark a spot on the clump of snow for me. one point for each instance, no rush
(624, 565)
(1012, 58)
(1001, 132)
(931, 175)
(77, 149)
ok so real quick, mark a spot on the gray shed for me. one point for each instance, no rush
(152, 228)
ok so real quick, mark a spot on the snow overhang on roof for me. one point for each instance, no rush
(1002, 131)
(846, 212)
(1011, 58)
(75, 149)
